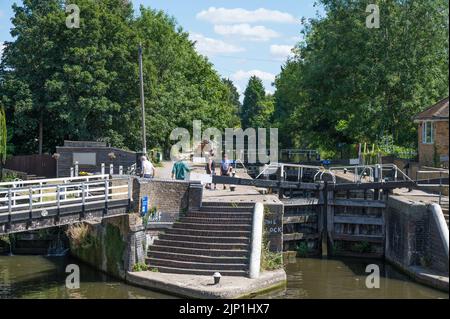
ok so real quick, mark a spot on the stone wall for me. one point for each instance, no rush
(412, 238)
(113, 246)
(273, 225)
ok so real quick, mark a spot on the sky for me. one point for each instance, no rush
(241, 38)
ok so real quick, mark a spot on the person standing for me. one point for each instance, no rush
(225, 168)
(211, 169)
(148, 170)
(180, 170)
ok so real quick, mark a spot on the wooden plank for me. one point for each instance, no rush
(358, 203)
(377, 185)
(299, 236)
(301, 201)
(347, 237)
(358, 220)
(265, 183)
(309, 218)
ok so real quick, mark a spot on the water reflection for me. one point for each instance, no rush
(44, 277)
(346, 278)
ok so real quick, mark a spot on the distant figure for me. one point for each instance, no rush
(148, 170)
(225, 168)
(180, 170)
(211, 169)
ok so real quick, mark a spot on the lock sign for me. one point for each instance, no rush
(144, 205)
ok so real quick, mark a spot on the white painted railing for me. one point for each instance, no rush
(42, 195)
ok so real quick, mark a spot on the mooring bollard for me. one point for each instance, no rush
(103, 169)
(111, 169)
(120, 170)
(71, 172)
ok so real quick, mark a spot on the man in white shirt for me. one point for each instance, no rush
(148, 170)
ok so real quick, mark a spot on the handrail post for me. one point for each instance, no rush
(106, 197)
(58, 202)
(30, 206)
(9, 208)
(83, 199)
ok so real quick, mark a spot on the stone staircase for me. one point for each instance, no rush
(215, 238)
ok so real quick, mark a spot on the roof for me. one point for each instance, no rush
(439, 111)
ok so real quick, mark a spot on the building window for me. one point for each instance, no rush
(427, 133)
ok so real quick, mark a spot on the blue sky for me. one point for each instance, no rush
(241, 38)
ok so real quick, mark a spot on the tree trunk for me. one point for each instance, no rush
(41, 132)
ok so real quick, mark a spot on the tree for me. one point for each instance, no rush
(3, 140)
(253, 108)
(82, 84)
(233, 95)
(350, 84)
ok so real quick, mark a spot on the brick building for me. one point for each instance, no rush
(433, 134)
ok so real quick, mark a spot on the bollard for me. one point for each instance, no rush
(103, 169)
(71, 172)
(120, 170)
(111, 169)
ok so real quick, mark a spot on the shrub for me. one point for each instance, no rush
(140, 267)
(303, 249)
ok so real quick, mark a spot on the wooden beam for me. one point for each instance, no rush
(300, 202)
(376, 185)
(299, 236)
(301, 219)
(347, 237)
(358, 220)
(265, 183)
(358, 203)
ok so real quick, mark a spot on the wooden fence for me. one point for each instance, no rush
(39, 165)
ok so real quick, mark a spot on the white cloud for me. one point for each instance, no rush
(281, 51)
(210, 46)
(245, 31)
(245, 75)
(239, 15)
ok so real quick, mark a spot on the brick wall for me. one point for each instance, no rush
(441, 140)
(169, 197)
(412, 237)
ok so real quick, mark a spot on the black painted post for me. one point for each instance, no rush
(30, 213)
(58, 204)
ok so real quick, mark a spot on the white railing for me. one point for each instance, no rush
(54, 181)
(439, 175)
(81, 192)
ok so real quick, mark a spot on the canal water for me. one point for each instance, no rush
(44, 277)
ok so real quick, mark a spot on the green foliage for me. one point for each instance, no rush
(3, 135)
(257, 109)
(351, 84)
(303, 249)
(140, 267)
(362, 247)
(83, 84)
(269, 260)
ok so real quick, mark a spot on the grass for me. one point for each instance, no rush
(270, 260)
(140, 267)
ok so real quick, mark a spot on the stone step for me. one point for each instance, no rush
(228, 204)
(211, 221)
(155, 262)
(224, 209)
(197, 258)
(208, 233)
(234, 251)
(212, 227)
(205, 239)
(199, 272)
(203, 245)
(213, 215)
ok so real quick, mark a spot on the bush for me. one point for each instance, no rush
(140, 267)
